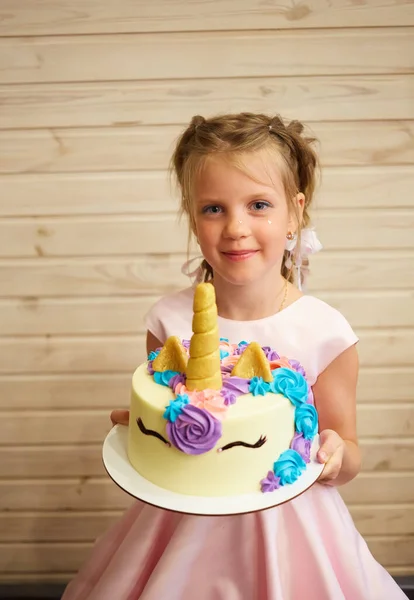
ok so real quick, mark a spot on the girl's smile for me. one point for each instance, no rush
(239, 255)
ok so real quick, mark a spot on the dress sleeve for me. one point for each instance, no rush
(335, 335)
(153, 321)
(171, 315)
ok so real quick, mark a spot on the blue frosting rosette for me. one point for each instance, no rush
(164, 377)
(291, 384)
(306, 421)
(289, 466)
(175, 407)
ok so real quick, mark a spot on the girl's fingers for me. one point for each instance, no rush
(329, 441)
(120, 417)
(332, 467)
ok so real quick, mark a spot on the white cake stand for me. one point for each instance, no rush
(121, 471)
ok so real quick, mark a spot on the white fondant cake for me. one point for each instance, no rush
(210, 418)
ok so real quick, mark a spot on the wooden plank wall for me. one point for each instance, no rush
(92, 97)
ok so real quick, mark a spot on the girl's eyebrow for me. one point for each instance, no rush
(260, 196)
(248, 198)
(208, 201)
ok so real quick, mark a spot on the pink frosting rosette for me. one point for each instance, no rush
(279, 363)
(195, 431)
(180, 389)
(230, 361)
(210, 400)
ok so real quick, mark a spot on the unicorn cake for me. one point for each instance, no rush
(210, 418)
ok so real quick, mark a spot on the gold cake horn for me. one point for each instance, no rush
(203, 367)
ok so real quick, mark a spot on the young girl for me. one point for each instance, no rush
(247, 183)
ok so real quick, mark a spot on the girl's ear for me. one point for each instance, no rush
(296, 214)
(299, 199)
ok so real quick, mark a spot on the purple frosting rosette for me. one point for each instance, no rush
(195, 431)
(302, 446)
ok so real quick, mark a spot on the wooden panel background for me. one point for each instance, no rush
(92, 98)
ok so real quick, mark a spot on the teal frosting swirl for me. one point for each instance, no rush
(175, 407)
(164, 377)
(258, 386)
(153, 354)
(306, 421)
(291, 384)
(289, 466)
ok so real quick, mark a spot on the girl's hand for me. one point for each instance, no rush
(331, 452)
(120, 417)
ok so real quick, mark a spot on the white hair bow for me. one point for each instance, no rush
(309, 244)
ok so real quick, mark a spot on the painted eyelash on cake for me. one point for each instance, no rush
(146, 431)
(262, 440)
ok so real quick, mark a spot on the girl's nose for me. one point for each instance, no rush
(236, 227)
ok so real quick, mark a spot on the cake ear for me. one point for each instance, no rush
(172, 357)
(253, 363)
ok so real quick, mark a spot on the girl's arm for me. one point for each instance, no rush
(335, 400)
(152, 342)
(119, 416)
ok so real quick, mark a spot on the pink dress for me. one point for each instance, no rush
(307, 548)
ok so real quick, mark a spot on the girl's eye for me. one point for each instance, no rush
(260, 205)
(212, 210)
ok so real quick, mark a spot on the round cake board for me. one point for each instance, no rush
(121, 471)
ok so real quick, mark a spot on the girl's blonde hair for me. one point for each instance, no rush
(233, 136)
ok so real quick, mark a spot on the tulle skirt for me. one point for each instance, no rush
(307, 549)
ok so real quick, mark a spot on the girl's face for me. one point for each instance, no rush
(241, 224)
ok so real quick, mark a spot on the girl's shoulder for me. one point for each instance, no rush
(171, 315)
(318, 312)
(327, 327)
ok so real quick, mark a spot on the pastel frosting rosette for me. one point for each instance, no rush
(289, 466)
(306, 421)
(211, 401)
(194, 431)
(302, 445)
(291, 384)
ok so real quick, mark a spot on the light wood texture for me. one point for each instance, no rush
(210, 54)
(91, 426)
(120, 235)
(122, 353)
(86, 315)
(18, 17)
(101, 390)
(93, 96)
(151, 191)
(330, 271)
(45, 460)
(337, 97)
(148, 148)
(140, 192)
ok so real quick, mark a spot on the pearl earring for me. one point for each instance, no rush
(290, 235)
